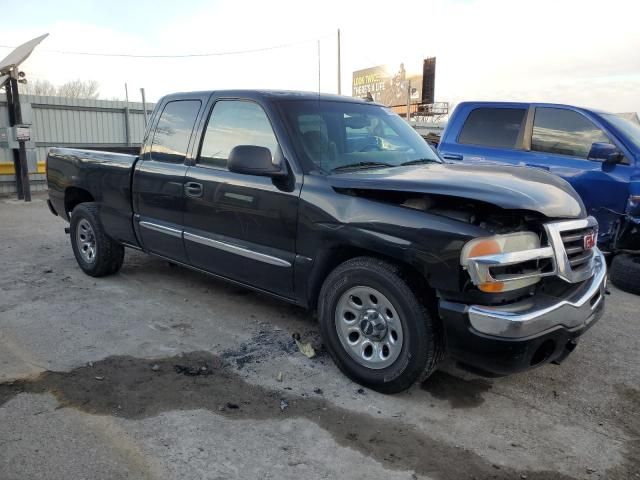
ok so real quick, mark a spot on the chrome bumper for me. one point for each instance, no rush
(541, 312)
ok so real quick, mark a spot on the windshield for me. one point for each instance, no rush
(333, 136)
(630, 130)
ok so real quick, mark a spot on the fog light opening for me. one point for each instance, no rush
(595, 299)
(543, 352)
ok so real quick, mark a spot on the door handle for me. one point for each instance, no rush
(535, 165)
(193, 189)
(451, 156)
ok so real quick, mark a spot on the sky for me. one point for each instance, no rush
(577, 52)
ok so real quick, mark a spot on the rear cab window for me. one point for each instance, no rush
(493, 127)
(172, 134)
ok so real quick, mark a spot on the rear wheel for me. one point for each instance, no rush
(625, 272)
(375, 327)
(96, 253)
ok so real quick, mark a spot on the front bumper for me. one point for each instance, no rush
(514, 337)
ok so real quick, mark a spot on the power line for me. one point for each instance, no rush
(187, 55)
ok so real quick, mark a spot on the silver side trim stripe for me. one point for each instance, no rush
(174, 232)
(227, 247)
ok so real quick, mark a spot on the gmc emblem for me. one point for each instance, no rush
(590, 241)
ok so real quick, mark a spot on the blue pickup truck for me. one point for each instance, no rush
(598, 153)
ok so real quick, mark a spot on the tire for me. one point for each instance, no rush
(106, 256)
(418, 345)
(625, 272)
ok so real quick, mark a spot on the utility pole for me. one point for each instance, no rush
(127, 124)
(339, 67)
(144, 106)
(409, 102)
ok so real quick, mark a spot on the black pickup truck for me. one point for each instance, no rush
(337, 205)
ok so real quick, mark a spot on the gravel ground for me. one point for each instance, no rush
(159, 372)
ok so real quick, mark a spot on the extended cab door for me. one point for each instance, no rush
(485, 133)
(158, 181)
(560, 141)
(240, 226)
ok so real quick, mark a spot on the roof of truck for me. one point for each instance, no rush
(527, 104)
(273, 95)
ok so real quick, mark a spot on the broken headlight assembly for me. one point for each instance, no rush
(503, 263)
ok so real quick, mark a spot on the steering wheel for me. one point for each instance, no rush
(372, 147)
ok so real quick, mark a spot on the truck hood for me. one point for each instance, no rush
(508, 187)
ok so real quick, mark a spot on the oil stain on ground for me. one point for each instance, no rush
(460, 393)
(137, 388)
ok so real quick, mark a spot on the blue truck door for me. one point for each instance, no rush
(561, 139)
(485, 133)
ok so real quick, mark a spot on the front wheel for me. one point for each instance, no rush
(96, 253)
(375, 328)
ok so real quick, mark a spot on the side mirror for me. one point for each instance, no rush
(254, 160)
(605, 152)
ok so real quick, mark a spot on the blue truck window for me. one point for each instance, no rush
(233, 123)
(493, 127)
(171, 138)
(564, 132)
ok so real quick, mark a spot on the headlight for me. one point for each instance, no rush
(504, 262)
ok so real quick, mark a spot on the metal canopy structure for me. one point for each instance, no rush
(9, 77)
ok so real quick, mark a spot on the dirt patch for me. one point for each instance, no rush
(136, 388)
(264, 344)
(460, 393)
(626, 413)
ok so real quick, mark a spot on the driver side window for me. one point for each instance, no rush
(564, 132)
(233, 123)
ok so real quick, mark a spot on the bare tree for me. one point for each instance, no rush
(38, 87)
(72, 89)
(79, 89)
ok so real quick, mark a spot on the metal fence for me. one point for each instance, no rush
(68, 122)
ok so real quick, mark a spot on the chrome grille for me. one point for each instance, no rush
(574, 246)
(573, 263)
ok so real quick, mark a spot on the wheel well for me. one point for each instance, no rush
(337, 255)
(74, 196)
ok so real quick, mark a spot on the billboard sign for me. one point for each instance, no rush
(388, 84)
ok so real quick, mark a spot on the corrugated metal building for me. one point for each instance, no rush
(67, 122)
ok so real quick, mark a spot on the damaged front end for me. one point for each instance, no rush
(514, 258)
(530, 277)
(626, 229)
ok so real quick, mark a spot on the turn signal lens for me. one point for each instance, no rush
(484, 247)
(491, 287)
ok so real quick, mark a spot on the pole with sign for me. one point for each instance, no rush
(10, 76)
(22, 133)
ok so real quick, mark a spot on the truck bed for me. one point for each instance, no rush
(103, 176)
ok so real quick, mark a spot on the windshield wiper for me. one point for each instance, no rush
(353, 166)
(419, 161)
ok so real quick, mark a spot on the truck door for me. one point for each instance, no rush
(158, 180)
(485, 134)
(240, 226)
(561, 139)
